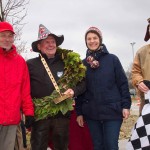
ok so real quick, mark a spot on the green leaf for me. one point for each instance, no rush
(73, 73)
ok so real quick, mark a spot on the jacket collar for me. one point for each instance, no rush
(98, 53)
(50, 60)
(104, 49)
(11, 52)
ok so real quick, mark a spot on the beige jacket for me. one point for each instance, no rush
(141, 65)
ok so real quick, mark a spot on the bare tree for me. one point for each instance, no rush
(14, 11)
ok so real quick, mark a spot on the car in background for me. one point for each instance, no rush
(132, 92)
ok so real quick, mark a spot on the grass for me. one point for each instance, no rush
(127, 126)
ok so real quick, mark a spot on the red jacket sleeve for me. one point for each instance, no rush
(27, 104)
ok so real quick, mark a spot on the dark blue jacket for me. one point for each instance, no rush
(107, 89)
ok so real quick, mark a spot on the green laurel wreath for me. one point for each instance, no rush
(74, 72)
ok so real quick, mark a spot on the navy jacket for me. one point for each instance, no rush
(107, 89)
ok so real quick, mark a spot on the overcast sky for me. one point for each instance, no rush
(120, 21)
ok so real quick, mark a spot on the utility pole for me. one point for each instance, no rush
(132, 44)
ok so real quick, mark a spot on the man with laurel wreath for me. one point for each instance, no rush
(45, 77)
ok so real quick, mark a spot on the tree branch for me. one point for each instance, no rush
(14, 11)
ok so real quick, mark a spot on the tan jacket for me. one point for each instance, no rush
(141, 65)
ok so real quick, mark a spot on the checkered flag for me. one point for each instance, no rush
(140, 134)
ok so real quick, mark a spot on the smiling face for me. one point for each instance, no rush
(48, 46)
(93, 41)
(6, 39)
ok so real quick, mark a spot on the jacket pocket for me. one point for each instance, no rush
(116, 107)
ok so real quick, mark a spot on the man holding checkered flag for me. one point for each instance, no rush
(140, 135)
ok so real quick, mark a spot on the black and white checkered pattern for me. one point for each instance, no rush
(140, 134)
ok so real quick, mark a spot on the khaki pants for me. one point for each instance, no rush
(19, 139)
(7, 137)
(142, 102)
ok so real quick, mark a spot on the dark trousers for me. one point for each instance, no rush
(54, 129)
(105, 134)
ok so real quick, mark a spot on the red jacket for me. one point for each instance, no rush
(14, 88)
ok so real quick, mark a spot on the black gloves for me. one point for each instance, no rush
(29, 120)
(147, 83)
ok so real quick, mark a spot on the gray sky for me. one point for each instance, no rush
(120, 21)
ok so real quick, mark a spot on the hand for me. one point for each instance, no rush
(29, 120)
(126, 113)
(142, 87)
(80, 121)
(70, 92)
(147, 83)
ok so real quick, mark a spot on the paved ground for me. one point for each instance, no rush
(122, 144)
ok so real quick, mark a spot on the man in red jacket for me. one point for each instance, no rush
(14, 89)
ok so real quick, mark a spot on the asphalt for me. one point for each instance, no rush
(122, 144)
